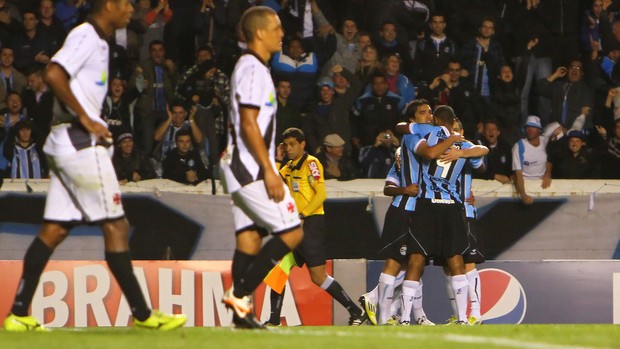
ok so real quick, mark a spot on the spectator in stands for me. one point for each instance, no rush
(482, 58)
(38, 102)
(398, 83)
(590, 25)
(287, 115)
(348, 51)
(374, 111)
(71, 12)
(568, 96)
(610, 151)
(529, 159)
(434, 51)
(336, 164)
(7, 131)
(506, 98)
(118, 108)
(571, 159)
(9, 22)
(183, 163)
(11, 80)
(24, 155)
(498, 163)
(455, 90)
(368, 65)
(130, 164)
(302, 68)
(49, 24)
(377, 159)
(331, 114)
(388, 44)
(363, 39)
(535, 47)
(155, 18)
(208, 87)
(177, 120)
(156, 78)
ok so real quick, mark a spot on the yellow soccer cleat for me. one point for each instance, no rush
(161, 321)
(369, 307)
(14, 323)
(474, 320)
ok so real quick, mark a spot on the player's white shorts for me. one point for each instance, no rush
(252, 206)
(83, 187)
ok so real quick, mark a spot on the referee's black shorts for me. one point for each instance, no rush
(394, 235)
(438, 230)
(311, 250)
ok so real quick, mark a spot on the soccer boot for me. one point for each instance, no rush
(269, 323)
(358, 319)
(161, 321)
(369, 307)
(14, 323)
(242, 310)
(474, 321)
(423, 321)
(451, 320)
(403, 323)
(392, 321)
(461, 323)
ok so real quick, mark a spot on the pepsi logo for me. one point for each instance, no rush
(503, 297)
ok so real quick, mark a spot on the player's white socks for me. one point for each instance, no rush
(386, 293)
(410, 288)
(400, 277)
(460, 287)
(451, 295)
(418, 310)
(475, 294)
(373, 295)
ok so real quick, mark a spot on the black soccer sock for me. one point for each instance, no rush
(267, 258)
(120, 266)
(35, 260)
(276, 306)
(339, 294)
(240, 263)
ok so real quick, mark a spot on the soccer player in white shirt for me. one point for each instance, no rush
(83, 185)
(262, 203)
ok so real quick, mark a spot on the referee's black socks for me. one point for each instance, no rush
(35, 260)
(120, 266)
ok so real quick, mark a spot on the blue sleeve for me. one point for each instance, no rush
(475, 162)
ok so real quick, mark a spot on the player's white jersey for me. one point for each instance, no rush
(85, 57)
(251, 87)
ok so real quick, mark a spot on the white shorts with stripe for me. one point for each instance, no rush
(252, 207)
(83, 187)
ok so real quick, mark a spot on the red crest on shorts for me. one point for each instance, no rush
(116, 199)
(290, 207)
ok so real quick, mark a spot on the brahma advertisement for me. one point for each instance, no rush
(84, 293)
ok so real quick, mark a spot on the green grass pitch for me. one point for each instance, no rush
(462, 337)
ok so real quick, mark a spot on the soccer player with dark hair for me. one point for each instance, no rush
(83, 185)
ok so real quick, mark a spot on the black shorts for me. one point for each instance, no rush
(438, 230)
(311, 250)
(474, 254)
(395, 233)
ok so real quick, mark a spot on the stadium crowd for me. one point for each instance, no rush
(533, 80)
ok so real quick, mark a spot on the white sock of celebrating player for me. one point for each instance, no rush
(386, 293)
(460, 287)
(410, 288)
(475, 294)
(399, 279)
(373, 295)
(418, 311)
(451, 295)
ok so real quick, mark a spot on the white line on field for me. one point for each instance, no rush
(500, 341)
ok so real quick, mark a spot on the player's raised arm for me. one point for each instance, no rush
(58, 80)
(435, 151)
